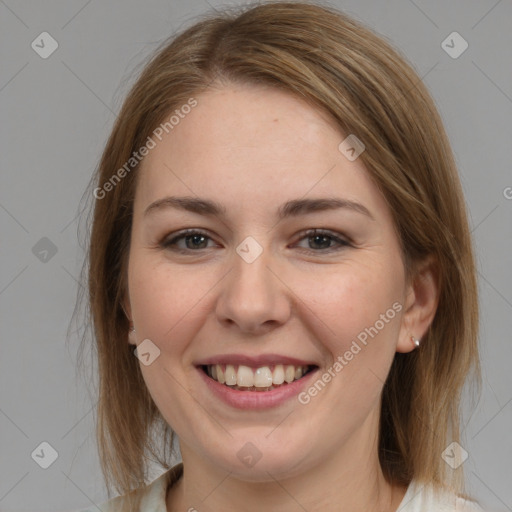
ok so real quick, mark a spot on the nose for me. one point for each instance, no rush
(253, 297)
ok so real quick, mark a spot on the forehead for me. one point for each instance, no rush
(246, 144)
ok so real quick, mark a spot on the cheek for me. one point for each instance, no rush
(171, 304)
(161, 298)
(355, 313)
(168, 305)
(348, 300)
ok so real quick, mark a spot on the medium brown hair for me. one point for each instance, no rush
(344, 69)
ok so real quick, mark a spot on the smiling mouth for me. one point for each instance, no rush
(263, 378)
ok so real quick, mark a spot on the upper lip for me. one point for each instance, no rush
(254, 361)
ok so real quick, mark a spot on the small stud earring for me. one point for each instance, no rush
(415, 341)
(132, 328)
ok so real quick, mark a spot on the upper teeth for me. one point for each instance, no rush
(261, 377)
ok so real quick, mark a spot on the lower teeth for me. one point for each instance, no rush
(253, 388)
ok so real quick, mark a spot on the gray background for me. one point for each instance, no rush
(56, 115)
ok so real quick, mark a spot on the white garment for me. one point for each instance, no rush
(418, 498)
(421, 498)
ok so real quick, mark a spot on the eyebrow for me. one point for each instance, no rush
(292, 208)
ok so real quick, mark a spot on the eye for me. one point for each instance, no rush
(192, 238)
(320, 240)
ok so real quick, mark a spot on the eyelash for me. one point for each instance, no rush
(169, 242)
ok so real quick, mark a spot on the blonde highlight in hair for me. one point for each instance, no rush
(342, 68)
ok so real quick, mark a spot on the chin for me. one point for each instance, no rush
(263, 460)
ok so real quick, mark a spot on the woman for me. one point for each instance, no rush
(280, 234)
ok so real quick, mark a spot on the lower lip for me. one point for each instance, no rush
(256, 399)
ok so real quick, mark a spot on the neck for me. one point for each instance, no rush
(350, 479)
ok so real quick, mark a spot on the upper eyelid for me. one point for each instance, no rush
(187, 232)
(339, 237)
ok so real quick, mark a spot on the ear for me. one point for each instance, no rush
(422, 298)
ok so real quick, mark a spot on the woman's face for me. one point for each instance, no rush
(257, 290)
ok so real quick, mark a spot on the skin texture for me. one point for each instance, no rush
(252, 149)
